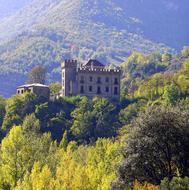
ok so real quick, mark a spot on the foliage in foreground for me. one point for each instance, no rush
(156, 147)
(30, 160)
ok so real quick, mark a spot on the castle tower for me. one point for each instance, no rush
(69, 74)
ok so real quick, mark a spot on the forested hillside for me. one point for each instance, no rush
(75, 143)
(44, 32)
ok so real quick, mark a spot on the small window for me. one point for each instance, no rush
(91, 79)
(107, 89)
(98, 90)
(115, 81)
(18, 92)
(22, 91)
(82, 89)
(99, 80)
(90, 88)
(107, 79)
(115, 91)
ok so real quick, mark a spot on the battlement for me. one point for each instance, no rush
(69, 63)
(98, 69)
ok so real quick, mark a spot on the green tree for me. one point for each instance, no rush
(156, 147)
(177, 183)
(83, 126)
(55, 88)
(185, 51)
(171, 94)
(2, 109)
(105, 120)
(37, 75)
(13, 112)
(17, 107)
(166, 58)
(127, 114)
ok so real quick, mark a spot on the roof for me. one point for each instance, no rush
(94, 63)
(33, 85)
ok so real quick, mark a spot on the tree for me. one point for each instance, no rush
(185, 67)
(127, 114)
(22, 147)
(166, 58)
(93, 120)
(105, 122)
(185, 51)
(156, 147)
(13, 112)
(177, 183)
(171, 94)
(17, 107)
(83, 125)
(11, 156)
(2, 109)
(40, 179)
(64, 141)
(55, 88)
(37, 75)
(88, 167)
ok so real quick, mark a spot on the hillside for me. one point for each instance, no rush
(46, 31)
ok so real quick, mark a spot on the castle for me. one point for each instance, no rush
(90, 79)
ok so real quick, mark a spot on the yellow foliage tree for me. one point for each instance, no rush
(145, 186)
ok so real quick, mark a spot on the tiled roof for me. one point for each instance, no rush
(94, 63)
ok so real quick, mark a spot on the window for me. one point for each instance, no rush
(82, 89)
(99, 80)
(18, 92)
(107, 79)
(91, 79)
(107, 89)
(115, 91)
(22, 91)
(82, 79)
(90, 88)
(115, 81)
(98, 90)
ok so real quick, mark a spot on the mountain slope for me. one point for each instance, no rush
(162, 21)
(46, 31)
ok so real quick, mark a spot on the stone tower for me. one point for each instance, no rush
(69, 74)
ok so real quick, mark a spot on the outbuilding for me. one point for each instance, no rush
(39, 89)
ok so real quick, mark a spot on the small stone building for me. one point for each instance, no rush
(39, 89)
(90, 79)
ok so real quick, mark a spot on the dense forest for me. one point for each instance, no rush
(74, 143)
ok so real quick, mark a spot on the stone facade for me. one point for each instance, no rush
(91, 79)
(38, 89)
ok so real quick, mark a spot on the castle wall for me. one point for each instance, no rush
(104, 83)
